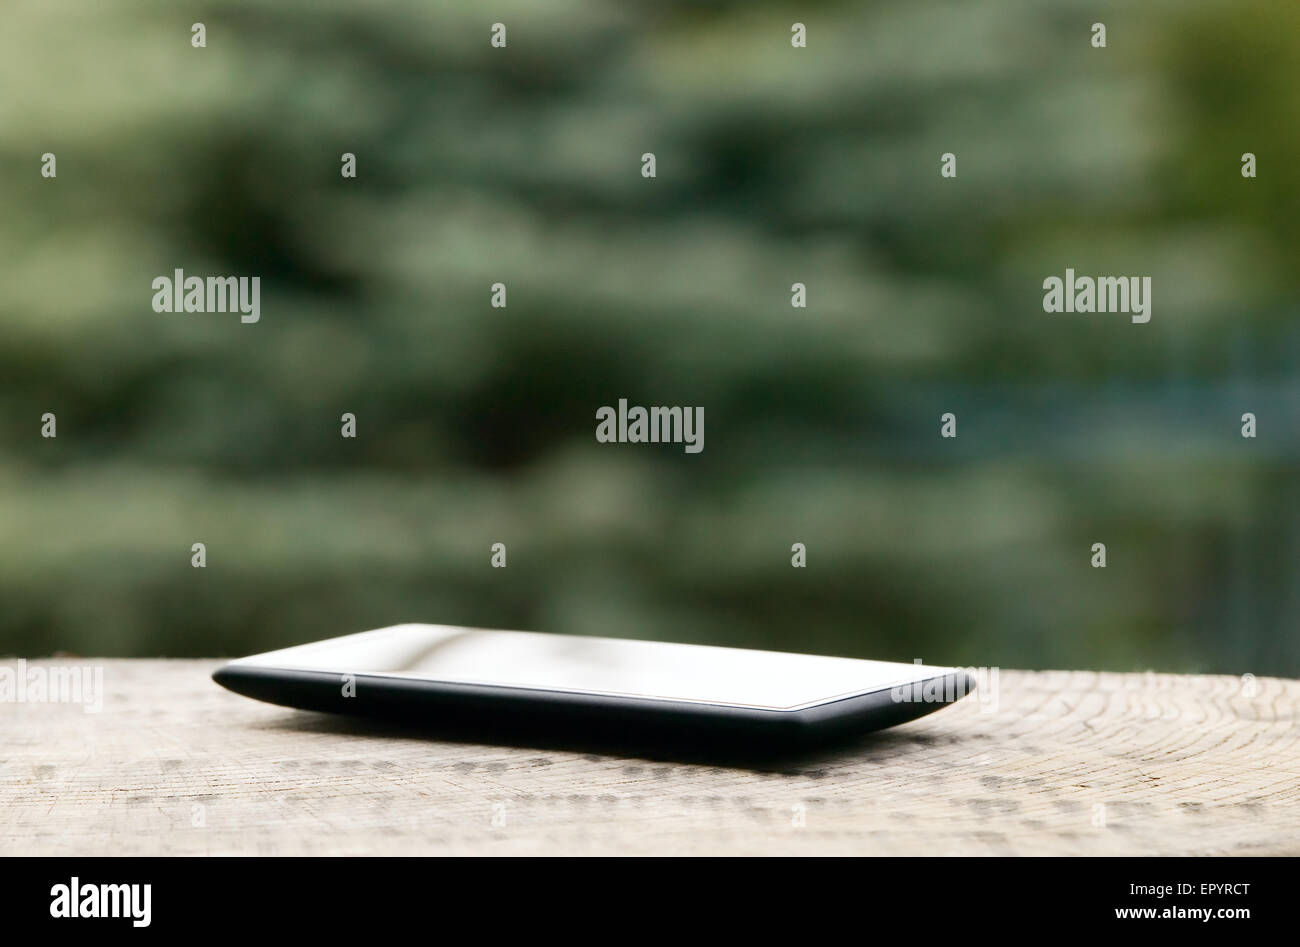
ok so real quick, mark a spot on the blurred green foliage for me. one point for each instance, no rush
(775, 165)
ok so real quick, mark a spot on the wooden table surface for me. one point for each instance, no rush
(1071, 763)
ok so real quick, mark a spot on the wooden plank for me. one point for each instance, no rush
(1069, 763)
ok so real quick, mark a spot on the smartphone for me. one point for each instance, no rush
(513, 682)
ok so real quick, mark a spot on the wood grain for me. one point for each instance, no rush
(1070, 763)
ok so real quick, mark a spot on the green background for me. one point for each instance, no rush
(775, 165)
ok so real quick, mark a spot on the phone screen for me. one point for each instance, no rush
(657, 670)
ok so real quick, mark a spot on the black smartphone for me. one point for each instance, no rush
(513, 682)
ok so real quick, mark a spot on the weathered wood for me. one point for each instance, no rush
(175, 765)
